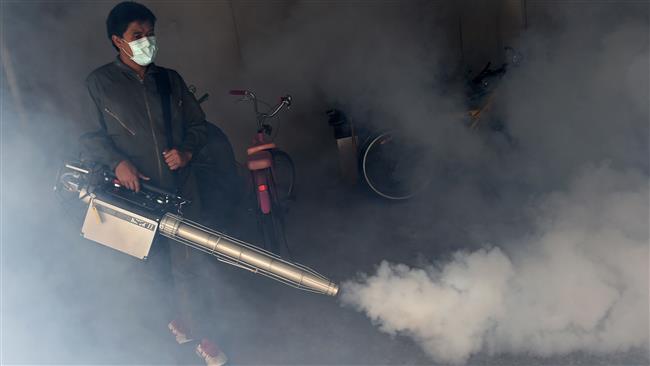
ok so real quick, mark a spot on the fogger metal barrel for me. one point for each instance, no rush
(234, 251)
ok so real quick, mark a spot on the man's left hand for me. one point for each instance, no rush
(176, 159)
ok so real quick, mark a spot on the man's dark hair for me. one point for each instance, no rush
(123, 14)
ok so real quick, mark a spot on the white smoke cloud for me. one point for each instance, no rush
(576, 280)
(580, 282)
(446, 310)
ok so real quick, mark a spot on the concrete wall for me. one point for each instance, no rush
(53, 45)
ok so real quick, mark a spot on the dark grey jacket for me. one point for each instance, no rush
(130, 125)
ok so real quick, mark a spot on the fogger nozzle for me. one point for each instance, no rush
(244, 255)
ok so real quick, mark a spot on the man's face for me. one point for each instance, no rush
(135, 30)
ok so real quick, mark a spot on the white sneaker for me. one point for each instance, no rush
(211, 353)
(180, 331)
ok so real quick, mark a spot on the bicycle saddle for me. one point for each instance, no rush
(262, 147)
(259, 160)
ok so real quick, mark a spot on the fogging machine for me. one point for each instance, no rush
(129, 221)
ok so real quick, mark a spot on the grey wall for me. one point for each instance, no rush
(213, 45)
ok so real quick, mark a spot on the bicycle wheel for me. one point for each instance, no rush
(283, 175)
(272, 223)
(272, 227)
(395, 168)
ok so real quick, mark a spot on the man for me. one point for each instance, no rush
(143, 137)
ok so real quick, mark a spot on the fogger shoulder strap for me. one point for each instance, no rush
(164, 89)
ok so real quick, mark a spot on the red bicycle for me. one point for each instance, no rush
(272, 175)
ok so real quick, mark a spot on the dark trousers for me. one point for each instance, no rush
(187, 275)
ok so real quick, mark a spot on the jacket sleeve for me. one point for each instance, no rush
(195, 133)
(95, 143)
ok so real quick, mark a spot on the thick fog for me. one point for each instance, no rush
(530, 244)
(577, 280)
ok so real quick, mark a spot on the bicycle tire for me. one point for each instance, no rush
(283, 175)
(272, 223)
(274, 234)
(377, 174)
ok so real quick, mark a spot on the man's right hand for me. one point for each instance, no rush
(128, 175)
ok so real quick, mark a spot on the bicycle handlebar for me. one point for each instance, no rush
(285, 101)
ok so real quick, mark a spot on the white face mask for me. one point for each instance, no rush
(144, 50)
